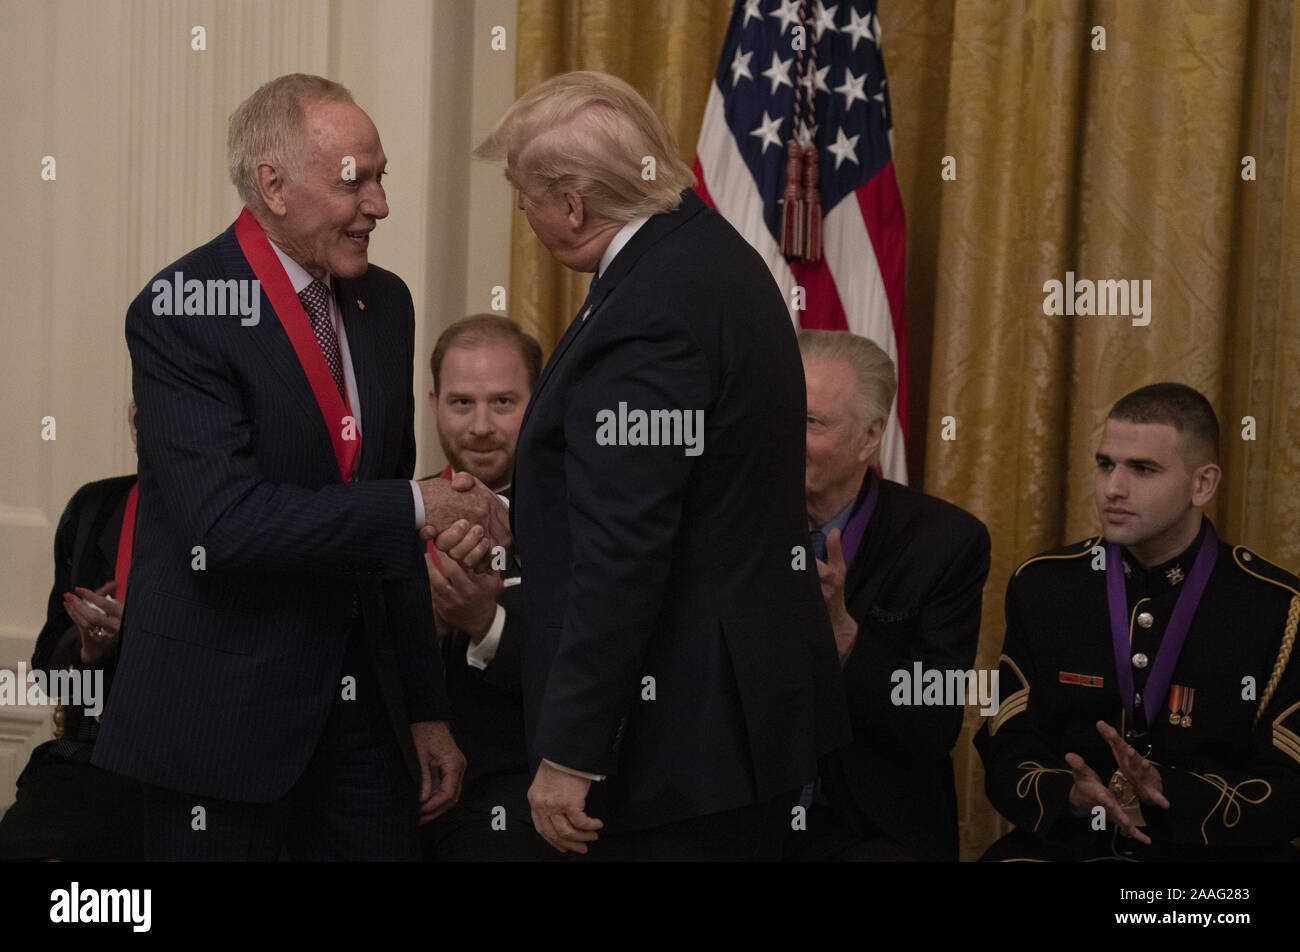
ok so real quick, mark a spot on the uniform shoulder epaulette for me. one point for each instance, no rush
(1256, 566)
(1252, 563)
(1073, 551)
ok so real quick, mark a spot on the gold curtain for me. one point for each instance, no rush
(1122, 163)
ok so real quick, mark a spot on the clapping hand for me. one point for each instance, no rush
(832, 574)
(1141, 773)
(1090, 791)
(98, 617)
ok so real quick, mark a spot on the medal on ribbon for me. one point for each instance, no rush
(1159, 682)
(1180, 705)
(1126, 796)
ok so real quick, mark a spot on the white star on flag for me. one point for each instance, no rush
(769, 130)
(852, 89)
(825, 19)
(858, 284)
(740, 66)
(779, 72)
(843, 147)
(788, 14)
(816, 82)
(859, 27)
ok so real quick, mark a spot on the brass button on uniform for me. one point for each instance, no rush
(1139, 660)
(1146, 619)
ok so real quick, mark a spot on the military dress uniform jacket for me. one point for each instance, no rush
(1228, 751)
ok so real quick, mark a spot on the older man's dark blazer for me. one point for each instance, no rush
(677, 639)
(253, 557)
(915, 588)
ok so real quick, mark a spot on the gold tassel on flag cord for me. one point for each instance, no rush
(801, 208)
(812, 205)
(793, 216)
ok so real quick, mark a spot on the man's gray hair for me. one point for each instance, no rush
(270, 126)
(877, 381)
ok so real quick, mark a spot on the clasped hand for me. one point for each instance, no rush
(464, 519)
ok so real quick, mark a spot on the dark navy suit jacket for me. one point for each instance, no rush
(644, 562)
(915, 589)
(229, 666)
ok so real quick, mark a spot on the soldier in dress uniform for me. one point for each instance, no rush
(1148, 709)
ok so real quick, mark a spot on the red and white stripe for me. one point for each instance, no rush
(857, 286)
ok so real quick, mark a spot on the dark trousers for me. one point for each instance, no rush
(830, 834)
(1022, 846)
(355, 801)
(491, 824)
(75, 813)
(752, 833)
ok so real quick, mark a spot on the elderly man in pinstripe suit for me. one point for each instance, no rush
(280, 687)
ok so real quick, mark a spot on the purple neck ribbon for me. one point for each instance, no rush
(1171, 645)
(856, 527)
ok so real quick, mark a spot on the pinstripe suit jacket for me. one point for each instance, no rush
(232, 653)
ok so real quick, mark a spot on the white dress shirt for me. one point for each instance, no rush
(300, 278)
(619, 241)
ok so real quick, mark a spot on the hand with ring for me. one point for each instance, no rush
(98, 617)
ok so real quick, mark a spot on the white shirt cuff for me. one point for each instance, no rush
(419, 504)
(480, 655)
(572, 772)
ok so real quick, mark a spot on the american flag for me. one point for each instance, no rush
(740, 169)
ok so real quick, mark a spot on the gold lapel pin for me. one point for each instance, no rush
(361, 305)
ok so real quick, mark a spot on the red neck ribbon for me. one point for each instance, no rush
(289, 312)
(125, 539)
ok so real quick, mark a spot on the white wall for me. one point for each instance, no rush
(136, 122)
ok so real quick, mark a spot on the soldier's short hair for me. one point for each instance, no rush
(873, 370)
(1177, 405)
(479, 330)
(591, 133)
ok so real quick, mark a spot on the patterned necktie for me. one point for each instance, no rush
(315, 299)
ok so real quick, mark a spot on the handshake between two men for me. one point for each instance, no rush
(465, 519)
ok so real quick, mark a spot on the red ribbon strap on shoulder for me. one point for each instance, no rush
(289, 312)
(125, 540)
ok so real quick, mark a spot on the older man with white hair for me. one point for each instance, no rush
(280, 685)
(903, 576)
(679, 673)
